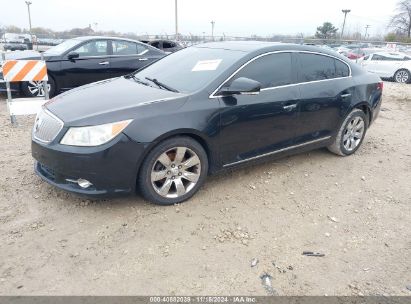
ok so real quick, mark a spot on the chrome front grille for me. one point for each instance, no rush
(47, 126)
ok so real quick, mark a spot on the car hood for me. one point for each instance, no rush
(110, 100)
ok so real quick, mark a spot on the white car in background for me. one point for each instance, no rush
(389, 65)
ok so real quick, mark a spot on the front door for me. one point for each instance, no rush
(254, 125)
(93, 64)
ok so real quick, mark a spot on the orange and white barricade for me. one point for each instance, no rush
(24, 70)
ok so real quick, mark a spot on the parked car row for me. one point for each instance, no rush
(396, 66)
(386, 64)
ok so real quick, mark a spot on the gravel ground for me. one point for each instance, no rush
(355, 210)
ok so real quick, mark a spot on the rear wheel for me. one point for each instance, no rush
(36, 88)
(351, 134)
(402, 76)
(173, 171)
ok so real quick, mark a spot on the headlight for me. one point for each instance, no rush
(93, 135)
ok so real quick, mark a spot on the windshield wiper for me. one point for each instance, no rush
(162, 85)
(136, 79)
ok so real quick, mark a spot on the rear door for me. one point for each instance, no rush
(254, 125)
(93, 64)
(129, 56)
(326, 91)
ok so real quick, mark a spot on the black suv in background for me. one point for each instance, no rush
(167, 46)
(83, 60)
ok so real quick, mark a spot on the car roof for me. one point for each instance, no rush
(84, 38)
(263, 46)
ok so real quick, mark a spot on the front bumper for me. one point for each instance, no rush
(111, 168)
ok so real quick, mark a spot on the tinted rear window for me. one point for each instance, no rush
(316, 67)
(319, 67)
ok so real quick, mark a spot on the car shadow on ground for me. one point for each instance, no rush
(224, 179)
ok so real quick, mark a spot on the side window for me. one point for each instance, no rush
(341, 69)
(124, 47)
(141, 49)
(270, 70)
(93, 48)
(316, 67)
(377, 57)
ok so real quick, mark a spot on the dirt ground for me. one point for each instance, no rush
(355, 210)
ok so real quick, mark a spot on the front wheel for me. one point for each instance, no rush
(173, 171)
(351, 134)
(402, 76)
(36, 88)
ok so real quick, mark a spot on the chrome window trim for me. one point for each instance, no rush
(58, 132)
(213, 96)
(277, 151)
(88, 57)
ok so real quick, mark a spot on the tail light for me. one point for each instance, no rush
(380, 85)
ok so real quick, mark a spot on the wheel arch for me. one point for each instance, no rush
(192, 133)
(365, 107)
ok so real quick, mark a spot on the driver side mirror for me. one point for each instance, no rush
(73, 55)
(241, 86)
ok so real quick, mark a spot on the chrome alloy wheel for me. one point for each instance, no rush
(175, 172)
(353, 133)
(36, 88)
(402, 77)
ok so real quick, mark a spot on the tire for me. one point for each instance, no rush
(402, 76)
(35, 88)
(161, 181)
(350, 134)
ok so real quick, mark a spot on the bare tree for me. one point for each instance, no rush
(401, 22)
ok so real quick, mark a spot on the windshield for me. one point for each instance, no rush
(190, 69)
(62, 47)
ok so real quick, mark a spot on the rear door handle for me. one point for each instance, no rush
(345, 95)
(142, 59)
(104, 63)
(290, 107)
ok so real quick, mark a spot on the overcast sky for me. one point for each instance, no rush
(232, 17)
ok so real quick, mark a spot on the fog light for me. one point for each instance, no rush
(83, 183)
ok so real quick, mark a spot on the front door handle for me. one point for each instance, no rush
(142, 59)
(104, 63)
(290, 107)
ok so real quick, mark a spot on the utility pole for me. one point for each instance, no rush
(212, 29)
(345, 12)
(366, 31)
(176, 14)
(28, 9)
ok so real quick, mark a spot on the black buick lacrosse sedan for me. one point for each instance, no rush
(198, 111)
